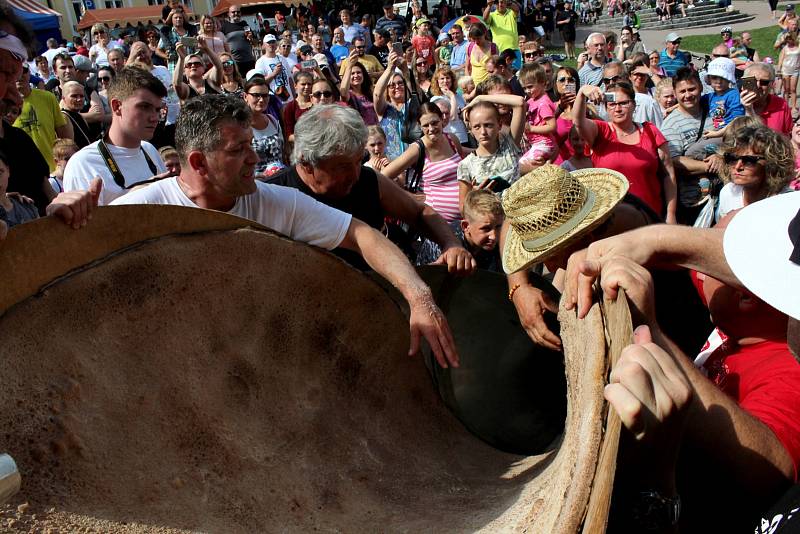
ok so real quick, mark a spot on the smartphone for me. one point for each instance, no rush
(397, 48)
(570, 88)
(189, 42)
(749, 84)
(610, 97)
(309, 64)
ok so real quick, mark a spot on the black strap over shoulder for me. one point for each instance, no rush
(415, 180)
(703, 115)
(119, 179)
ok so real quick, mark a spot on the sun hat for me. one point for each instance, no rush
(550, 207)
(672, 37)
(269, 38)
(723, 67)
(762, 248)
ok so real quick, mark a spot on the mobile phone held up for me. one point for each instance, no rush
(309, 64)
(749, 84)
(189, 42)
(610, 97)
(397, 48)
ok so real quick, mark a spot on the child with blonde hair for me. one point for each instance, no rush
(540, 118)
(376, 147)
(63, 149)
(468, 88)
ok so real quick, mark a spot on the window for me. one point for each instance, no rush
(77, 8)
(113, 4)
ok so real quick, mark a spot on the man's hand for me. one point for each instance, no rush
(650, 393)
(458, 260)
(748, 97)
(75, 207)
(531, 303)
(429, 321)
(620, 272)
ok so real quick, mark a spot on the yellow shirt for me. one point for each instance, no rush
(371, 63)
(39, 118)
(478, 66)
(504, 29)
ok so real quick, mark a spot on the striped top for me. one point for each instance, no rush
(440, 184)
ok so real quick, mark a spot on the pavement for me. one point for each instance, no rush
(654, 39)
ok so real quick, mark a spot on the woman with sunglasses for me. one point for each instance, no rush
(192, 82)
(98, 53)
(638, 151)
(759, 163)
(215, 39)
(567, 83)
(391, 100)
(530, 52)
(268, 137)
(232, 82)
(104, 77)
(356, 91)
(422, 76)
(324, 91)
(441, 155)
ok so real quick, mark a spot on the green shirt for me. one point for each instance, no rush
(39, 118)
(504, 29)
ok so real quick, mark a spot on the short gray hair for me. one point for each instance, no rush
(595, 34)
(766, 68)
(200, 122)
(327, 131)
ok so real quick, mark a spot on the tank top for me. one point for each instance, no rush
(479, 72)
(791, 61)
(440, 184)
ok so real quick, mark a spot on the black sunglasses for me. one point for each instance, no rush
(320, 94)
(565, 79)
(750, 161)
(613, 79)
(104, 78)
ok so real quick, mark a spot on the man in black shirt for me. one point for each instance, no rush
(239, 37)
(337, 179)
(379, 49)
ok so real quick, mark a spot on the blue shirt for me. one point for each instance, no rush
(722, 109)
(353, 31)
(458, 55)
(339, 52)
(590, 74)
(671, 65)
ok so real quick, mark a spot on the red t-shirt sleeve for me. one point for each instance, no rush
(656, 134)
(603, 133)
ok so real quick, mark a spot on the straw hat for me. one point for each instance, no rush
(549, 207)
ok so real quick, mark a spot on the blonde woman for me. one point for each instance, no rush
(98, 53)
(215, 39)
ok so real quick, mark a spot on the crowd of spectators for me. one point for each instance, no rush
(394, 142)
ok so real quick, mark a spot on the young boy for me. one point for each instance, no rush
(423, 41)
(478, 231)
(468, 89)
(444, 51)
(541, 118)
(723, 104)
(63, 149)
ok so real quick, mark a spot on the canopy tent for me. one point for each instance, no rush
(223, 5)
(123, 16)
(42, 20)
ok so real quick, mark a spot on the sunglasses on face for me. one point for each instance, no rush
(749, 161)
(227, 63)
(259, 96)
(362, 47)
(236, 12)
(720, 55)
(321, 94)
(764, 83)
(104, 79)
(531, 54)
(100, 32)
(613, 79)
(566, 79)
(193, 64)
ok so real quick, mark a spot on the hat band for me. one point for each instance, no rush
(532, 245)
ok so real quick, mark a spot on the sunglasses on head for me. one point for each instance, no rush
(320, 94)
(750, 161)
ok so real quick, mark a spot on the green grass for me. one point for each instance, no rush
(763, 39)
(560, 50)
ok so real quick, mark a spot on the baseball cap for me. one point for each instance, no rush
(421, 21)
(321, 60)
(252, 73)
(82, 63)
(269, 38)
(305, 49)
(388, 5)
(789, 7)
(672, 37)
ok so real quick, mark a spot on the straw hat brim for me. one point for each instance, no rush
(608, 186)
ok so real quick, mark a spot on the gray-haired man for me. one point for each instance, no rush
(213, 138)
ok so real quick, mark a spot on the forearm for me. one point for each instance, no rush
(686, 165)
(435, 228)
(699, 249)
(670, 186)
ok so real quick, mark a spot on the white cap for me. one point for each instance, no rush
(672, 37)
(253, 73)
(322, 60)
(724, 68)
(269, 38)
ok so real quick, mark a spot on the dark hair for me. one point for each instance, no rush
(302, 74)
(686, 74)
(199, 124)
(109, 68)
(427, 108)
(337, 96)
(63, 56)
(255, 81)
(572, 72)
(21, 29)
(366, 85)
(4, 158)
(131, 79)
(508, 56)
(626, 28)
(626, 88)
(476, 30)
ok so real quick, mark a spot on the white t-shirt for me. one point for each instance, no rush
(101, 59)
(283, 209)
(173, 102)
(88, 163)
(265, 65)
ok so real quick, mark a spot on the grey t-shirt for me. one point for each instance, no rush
(241, 49)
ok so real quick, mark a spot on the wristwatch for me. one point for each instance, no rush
(652, 511)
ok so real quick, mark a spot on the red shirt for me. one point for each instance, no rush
(777, 115)
(639, 163)
(424, 45)
(764, 379)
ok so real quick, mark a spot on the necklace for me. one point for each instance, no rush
(622, 133)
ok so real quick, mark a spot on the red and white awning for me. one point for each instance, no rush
(32, 6)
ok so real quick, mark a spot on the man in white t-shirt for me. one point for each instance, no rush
(213, 139)
(142, 57)
(276, 69)
(123, 158)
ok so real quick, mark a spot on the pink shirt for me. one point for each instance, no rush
(565, 150)
(639, 163)
(424, 45)
(539, 112)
